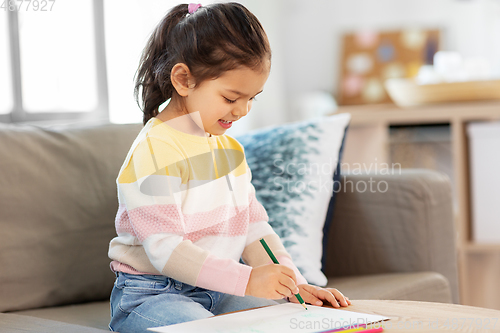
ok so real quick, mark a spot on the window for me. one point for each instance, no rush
(128, 25)
(55, 61)
(6, 102)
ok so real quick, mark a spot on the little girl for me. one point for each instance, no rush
(187, 209)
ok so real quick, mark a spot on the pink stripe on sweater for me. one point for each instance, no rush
(148, 220)
(235, 226)
(224, 275)
(257, 212)
(225, 220)
(122, 223)
(117, 266)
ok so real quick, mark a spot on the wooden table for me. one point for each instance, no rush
(411, 316)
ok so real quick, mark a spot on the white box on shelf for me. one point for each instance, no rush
(484, 153)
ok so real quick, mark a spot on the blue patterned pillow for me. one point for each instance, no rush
(293, 168)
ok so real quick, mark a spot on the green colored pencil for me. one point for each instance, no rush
(273, 258)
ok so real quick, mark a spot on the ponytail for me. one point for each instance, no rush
(153, 74)
(214, 39)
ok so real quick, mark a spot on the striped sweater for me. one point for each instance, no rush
(187, 210)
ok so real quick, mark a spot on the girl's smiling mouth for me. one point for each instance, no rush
(225, 124)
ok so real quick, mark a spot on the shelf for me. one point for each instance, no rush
(481, 248)
(478, 265)
(437, 113)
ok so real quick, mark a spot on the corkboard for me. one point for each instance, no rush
(369, 58)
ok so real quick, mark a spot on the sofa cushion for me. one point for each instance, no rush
(58, 203)
(14, 323)
(415, 286)
(405, 225)
(93, 314)
(293, 166)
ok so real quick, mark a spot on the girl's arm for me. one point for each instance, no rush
(254, 254)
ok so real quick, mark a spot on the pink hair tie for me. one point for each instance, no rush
(193, 7)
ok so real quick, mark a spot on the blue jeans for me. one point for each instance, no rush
(142, 301)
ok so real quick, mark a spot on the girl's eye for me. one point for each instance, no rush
(229, 100)
(253, 99)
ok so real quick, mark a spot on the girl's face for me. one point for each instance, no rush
(228, 97)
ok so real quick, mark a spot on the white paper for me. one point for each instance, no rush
(287, 317)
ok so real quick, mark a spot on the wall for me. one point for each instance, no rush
(305, 37)
(312, 32)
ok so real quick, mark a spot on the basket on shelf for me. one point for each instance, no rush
(406, 92)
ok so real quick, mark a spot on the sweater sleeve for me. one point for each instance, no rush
(259, 227)
(151, 191)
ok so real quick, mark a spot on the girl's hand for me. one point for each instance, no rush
(316, 295)
(272, 282)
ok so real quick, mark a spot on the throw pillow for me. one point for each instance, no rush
(293, 167)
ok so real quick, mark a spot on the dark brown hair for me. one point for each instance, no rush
(214, 39)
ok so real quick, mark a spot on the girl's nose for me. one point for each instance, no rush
(242, 110)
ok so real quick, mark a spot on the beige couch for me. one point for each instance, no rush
(58, 204)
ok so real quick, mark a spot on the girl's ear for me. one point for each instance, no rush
(181, 79)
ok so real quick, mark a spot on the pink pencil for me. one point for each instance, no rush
(373, 330)
(359, 328)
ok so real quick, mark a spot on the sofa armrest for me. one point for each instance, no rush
(401, 222)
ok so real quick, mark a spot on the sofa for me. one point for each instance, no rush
(58, 203)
